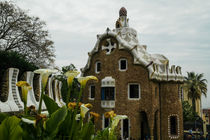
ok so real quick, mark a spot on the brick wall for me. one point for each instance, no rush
(149, 98)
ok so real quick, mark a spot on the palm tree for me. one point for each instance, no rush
(195, 86)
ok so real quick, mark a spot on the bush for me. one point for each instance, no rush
(14, 60)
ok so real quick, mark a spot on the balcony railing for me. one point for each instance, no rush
(107, 104)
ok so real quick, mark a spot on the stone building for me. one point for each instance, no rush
(135, 83)
(206, 119)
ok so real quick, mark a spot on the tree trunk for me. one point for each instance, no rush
(193, 105)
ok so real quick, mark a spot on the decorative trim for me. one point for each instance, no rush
(108, 82)
(162, 72)
(169, 127)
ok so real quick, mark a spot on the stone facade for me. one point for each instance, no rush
(157, 112)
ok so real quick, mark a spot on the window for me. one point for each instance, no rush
(105, 122)
(123, 65)
(107, 93)
(173, 125)
(98, 67)
(92, 92)
(133, 91)
(125, 128)
(181, 96)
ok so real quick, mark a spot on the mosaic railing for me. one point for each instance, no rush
(10, 97)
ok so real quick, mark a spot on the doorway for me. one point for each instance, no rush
(125, 125)
(145, 132)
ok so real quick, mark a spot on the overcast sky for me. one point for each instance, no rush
(179, 29)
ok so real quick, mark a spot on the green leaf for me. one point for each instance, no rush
(3, 116)
(67, 123)
(87, 131)
(52, 125)
(51, 105)
(10, 129)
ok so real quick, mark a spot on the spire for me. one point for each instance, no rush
(122, 12)
(123, 20)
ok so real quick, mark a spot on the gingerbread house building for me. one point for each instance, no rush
(135, 83)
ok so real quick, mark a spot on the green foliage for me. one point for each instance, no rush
(3, 116)
(188, 113)
(51, 105)
(53, 123)
(14, 60)
(70, 67)
(105, 135)
(75, 86)
(195, 85)
(10, 129)
(87, 131)
(62, 123)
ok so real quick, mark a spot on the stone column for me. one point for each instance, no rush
(151, 124)
(14, 100)
(50, 92)
(59, 93)
(56, 89)
(31, 100)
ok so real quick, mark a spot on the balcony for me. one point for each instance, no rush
(107, 104)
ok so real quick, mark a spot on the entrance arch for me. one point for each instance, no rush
(144, 126)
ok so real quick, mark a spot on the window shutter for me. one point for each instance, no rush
(102, 93)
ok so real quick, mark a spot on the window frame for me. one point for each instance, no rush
(129, 91)
(120, 64)
(96, 67)
(173, 136)
(90, 92)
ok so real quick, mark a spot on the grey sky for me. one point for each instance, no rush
(179, 29)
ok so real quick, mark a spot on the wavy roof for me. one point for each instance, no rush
(157, 64)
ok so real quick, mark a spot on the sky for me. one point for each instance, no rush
(179, 29)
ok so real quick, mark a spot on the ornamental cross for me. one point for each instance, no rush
(109, 47)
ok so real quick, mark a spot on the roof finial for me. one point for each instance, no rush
(122, 12)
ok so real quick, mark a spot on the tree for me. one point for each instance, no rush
(7, 61)
(75, 86)
(70, 67)
(25, 34)
(188, 113)
(195, 86)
